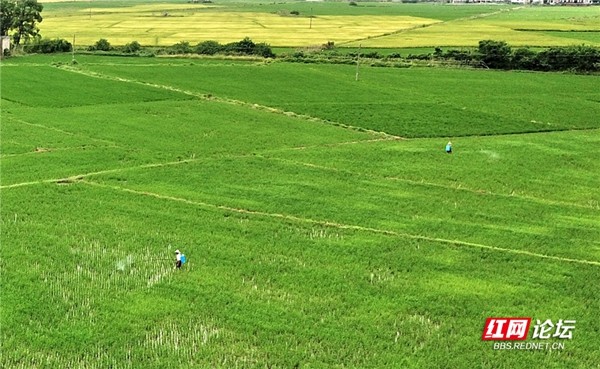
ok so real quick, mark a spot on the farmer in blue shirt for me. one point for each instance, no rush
(177, 259)
(449, 147)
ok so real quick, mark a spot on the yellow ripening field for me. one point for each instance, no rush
(548, 26)
(469, 34)
(149, 25)
(163, 24)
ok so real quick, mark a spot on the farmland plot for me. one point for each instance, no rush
(314, 238)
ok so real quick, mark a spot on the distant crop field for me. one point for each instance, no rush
(299, 24)
(323, 223)
(531, 26)
(465, 102)
(166, 24)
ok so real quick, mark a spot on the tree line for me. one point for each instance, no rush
(245, 47)
(500, 55)
(210, 47)
(489, 54)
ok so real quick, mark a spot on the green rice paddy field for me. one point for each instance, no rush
(324, 225)
(370, 24)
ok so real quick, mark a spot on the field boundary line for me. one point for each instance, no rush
(76, 177)
(210, 97)
(491, 193)
(261, 155)
(333, 144)
(437, 185)
(45, 150)
(11, 65)
(549, 131)
(38, 125)
(30, 183)
(340, 225)
(79, 177)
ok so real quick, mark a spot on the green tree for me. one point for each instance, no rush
(47, 46)
(243, 47)
(208, 47)
(577, 58)
(102, 45)
(7, 16)
(264, 50)
(180, 48)
(523, 58)
(27, 14)
(495, 54)
(132, 47)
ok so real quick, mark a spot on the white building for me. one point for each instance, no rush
(5, 44)
(584, 2)
(476, 1)
(569, 2)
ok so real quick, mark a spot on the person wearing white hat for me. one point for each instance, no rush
(449, 147)
(177, 259)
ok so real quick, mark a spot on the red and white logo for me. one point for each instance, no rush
(506, 329)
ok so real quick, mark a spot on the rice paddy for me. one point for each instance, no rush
(313, 238)
(323, 223)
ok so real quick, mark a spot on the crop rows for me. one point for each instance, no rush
(153, 29)
(309, 242)
(332, 94)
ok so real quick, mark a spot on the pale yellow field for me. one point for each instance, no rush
(506, 27)
(147, 25)
(467, 34)
(166, 24)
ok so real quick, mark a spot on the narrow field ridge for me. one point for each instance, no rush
(438, 185)
(76, 177)
(63, 131)
(44, 150)
(553, 130)
(265, 108)
(295, 162)
(343, 226)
